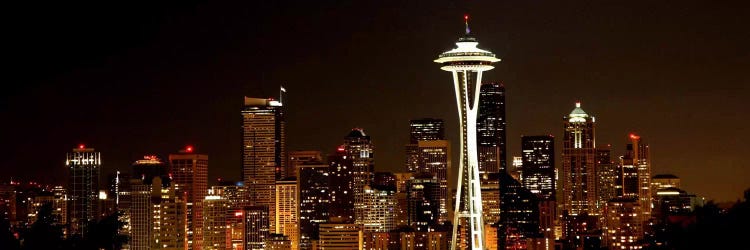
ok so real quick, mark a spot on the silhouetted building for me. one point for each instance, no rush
(491, 133)
(519, 217)
(538, 155)
(423, 201)
(341, 172)
(296, 158)
(314, 189)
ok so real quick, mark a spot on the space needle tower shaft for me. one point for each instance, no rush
(466, 62)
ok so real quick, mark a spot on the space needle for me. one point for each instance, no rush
(466, 63)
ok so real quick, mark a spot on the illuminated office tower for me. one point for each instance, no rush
(263, 149)
(662, 181)
(491, 199)
(426, 129)
(278, 242)
(379, 209)
(215, 227)
(84, 166)
(338, 235)
(491, 123)
(287, 222)
(607, 173)
(157, 212)
(579, 164)
(314, 201)
(402, 212)
(423, 201)
(341, 171)
(295, 158)
(538, 154)
(359, 147)
(466, 63)
(517, 171)
(256, 227)
(236, 196)
(623, 229)
(190, 177)
(434, 158)
(639, 153)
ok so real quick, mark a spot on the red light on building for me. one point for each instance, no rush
(189, 149)
(634, 137)
(341, 149)
(466, 17)
(81, 146)
(238, 214)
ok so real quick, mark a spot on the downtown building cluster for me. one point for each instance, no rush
(302, 200)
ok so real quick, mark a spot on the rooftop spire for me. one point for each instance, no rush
(466, 21)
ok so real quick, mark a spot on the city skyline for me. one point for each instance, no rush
(633, 78)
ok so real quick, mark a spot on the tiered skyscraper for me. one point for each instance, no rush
(190, 177)
(466, 63)
(429, 152)
(359, 147)
(579, 180)
(491, 138)
(263, 150)
(84, 167)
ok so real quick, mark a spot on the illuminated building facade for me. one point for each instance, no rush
(491, 133)
(287, 210)
(379, 209)
(215, 223)
(263, 149)
(662, 181)
(278, 242)
(635, 170)
(56, 198)
(84, 167)
(434, 158)
(538, 155)
(623, 226)
(340, 236)
(607, 172)
(579, 165)
(466, 63)
(236, 196)
(190, 177)
(359, 147)
(257, 229)
(314, 201)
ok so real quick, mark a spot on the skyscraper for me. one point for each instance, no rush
(579, 165)
(190, 178)
(607, 172)
(263, 149)
(379, 209)
(519, 218)
(215, 224)
(426, 129)
(466, 63)
(84, 166)
(538, 154)
(359, 147)
(341, 172)
(287, 210)
(640, 158)
(295, 158)
(423, 201)
(256, 227)
(314, 200)
(434, 158)
(491, 136)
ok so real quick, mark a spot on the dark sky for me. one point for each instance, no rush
(135, 78)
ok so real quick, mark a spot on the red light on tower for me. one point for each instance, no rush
(81, 146)
(189, 149)
(341, 149)
(634, 136)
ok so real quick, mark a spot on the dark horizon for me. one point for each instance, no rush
(150, 78)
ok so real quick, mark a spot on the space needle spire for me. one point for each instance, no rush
(466, 62)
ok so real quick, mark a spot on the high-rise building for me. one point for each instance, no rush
(236, 196)
(359, 147)
(538, 154)
(296, 158)
(84, 167)
(491, 199)
(190, 178)
(341, 172)
(662, 181)
(314, 200)
(215, 223)
(423, 201)
(278, 242)
(637, 155)
(263, 149)
(379, 209)
(491, 133)
(519, 218)
(287, 210)
(402, 210)
(257, 229)
(579, 164)
(607, 172)
(55, 198)
(426, 129)
(466, 63)
(157, 212)
(384, 179)
(434, 158)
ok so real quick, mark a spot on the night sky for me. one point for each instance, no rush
(130, 79)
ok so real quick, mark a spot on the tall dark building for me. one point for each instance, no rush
(263, 149)
(608, 174)
(519, 218)
(190, 177)
(538, 156)
(341, 172)
(491, 123)
(257, 229)
(314, 190)
(84, 167)
(384, 180)
(578, 175)
(359, 147)
(423, 201)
